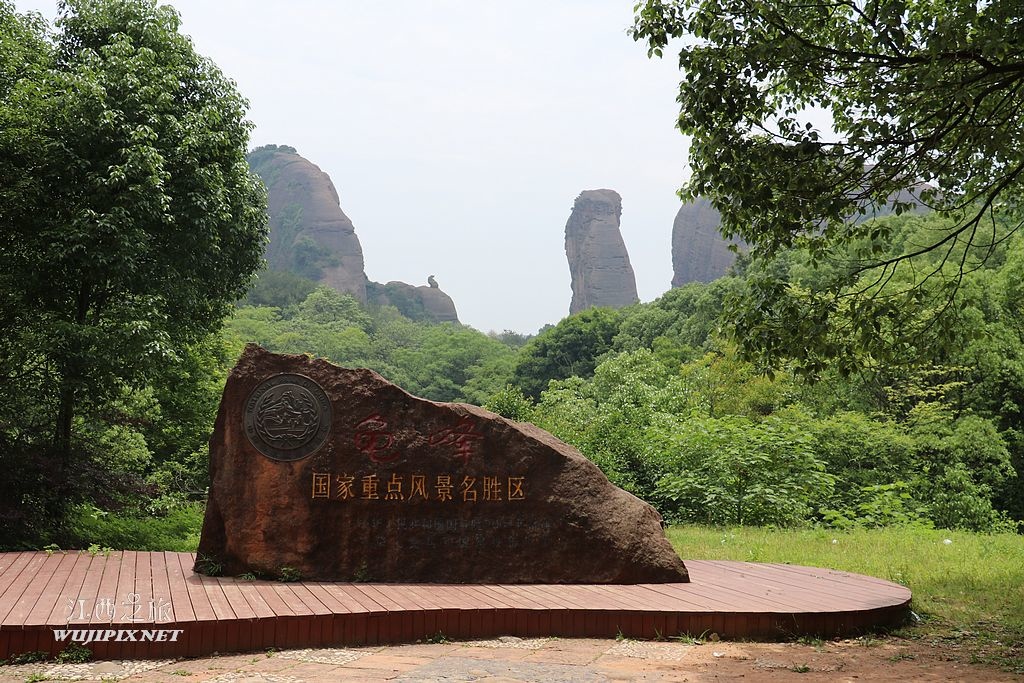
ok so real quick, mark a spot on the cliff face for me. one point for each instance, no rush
(311, 236)
(415, 303)
(699, 252)
(309, 233)
(598, 260)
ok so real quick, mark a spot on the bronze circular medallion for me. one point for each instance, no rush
(288, 417)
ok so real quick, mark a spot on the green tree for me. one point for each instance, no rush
(917, 92)
(130, 221)
(279, 288)
(570, 348)
(734, 471)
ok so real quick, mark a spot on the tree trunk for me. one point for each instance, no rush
(69, 378)
(65, 417)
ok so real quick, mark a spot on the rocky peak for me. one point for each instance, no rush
(426, 302)
(309, 233)
(311, 236)
(598, 260)
(699, 252)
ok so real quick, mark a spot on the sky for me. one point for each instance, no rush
(459, 132)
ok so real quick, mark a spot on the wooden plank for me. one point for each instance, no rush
(36, 590)
(498, 598)
(718, 597)
(356, 593)
(348, 603)
(214, 592)
(307, 598)
(551, 596)
(51, 596)
(401, 595)
(89, 593)
(202, 608)
(11, 564)
(17, 579)
(822, 582)
(711, 598)
(762, 588)
(446, 600)
(847, 578)
(66, 605)
(521, 599)
(231, 587)
(255, 600)
(181, 602)
(13, 578)
(732, 598)
(428, 613)
(331, 603)
(296, 606)
(125, 603)
(163, 604)
(105, 605)
(607, 597)
(841, 583)
(423, 596)
(144, 586)
(386, 602)
(408, 607)
(799, 587)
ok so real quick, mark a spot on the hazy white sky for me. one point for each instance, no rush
(459, 132)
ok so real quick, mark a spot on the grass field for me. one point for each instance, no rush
(968, 588)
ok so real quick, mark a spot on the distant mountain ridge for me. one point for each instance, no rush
(312, 237)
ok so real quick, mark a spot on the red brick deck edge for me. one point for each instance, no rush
(142, 605)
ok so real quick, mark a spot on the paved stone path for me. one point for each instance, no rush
(512, 660)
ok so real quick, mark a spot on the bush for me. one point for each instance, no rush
(511, 403)
(176, 531)
(732, 470)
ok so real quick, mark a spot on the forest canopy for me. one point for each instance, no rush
(923, 104)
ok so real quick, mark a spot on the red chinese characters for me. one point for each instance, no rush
(373, 439)
(463, 437)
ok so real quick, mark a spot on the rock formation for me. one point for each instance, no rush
(311, 236)
(331, 474)
(699, 252)
(416, 303)
(309, 233)
(598, 260)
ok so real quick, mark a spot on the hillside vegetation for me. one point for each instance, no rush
(657, 396)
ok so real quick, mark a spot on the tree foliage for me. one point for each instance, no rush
(129, 221)
(916, 92)
(570, 348)
(442, 362)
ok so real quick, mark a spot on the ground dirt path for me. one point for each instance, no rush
(507, 660)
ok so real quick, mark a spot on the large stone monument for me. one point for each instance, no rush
(327, 473)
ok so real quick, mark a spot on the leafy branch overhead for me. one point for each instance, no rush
(807, 118)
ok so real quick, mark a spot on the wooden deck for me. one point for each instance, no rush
(151, 604)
